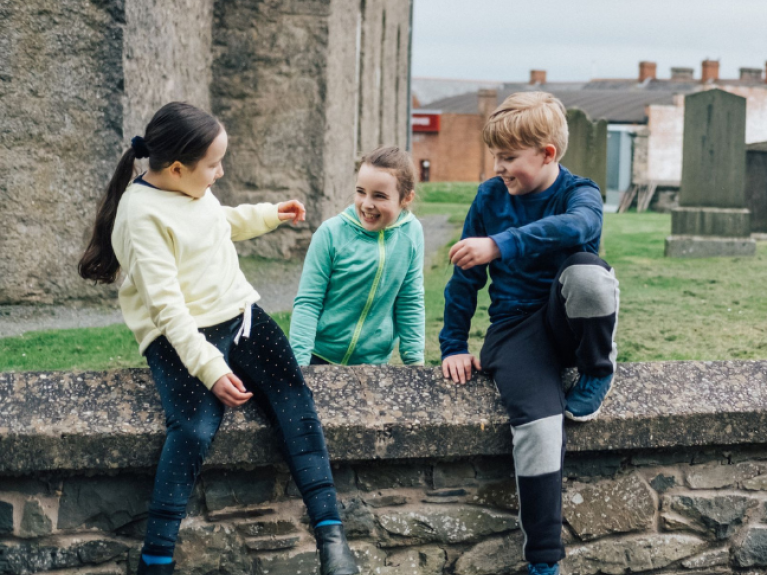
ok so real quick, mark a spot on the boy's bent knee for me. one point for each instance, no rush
(589, 290)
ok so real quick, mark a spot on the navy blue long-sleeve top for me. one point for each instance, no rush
(535, 234)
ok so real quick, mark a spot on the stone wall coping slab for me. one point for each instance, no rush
(103, 421)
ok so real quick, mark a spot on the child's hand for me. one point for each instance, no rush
(291, 210)
(474, 252)
(230, 390)
(458, 367)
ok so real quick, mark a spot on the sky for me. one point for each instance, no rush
(502, 40)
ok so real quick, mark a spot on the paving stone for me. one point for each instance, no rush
(496, 556)
(455, 474)
(415, 561)
(6, 517)
(753, 550)
(202, 549)
(615, 557)
(662, 483)
(34, 521)
(106, 503)
(449, 524)
(357, 518)
(272, 543)
(234, 488)
(265, 527)
(500, 494)
(377, 477)
(716, 476)
(287, 563)
(377, 501)
(713, 558)
(95, 552)
(610, 506)
(717, 516)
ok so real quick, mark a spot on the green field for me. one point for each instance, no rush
(671, 309)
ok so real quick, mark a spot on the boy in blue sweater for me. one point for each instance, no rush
(554, 303)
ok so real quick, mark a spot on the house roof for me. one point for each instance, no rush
(618, 107)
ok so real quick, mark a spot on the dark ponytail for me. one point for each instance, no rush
(177, 132)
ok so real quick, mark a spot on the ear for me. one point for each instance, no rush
(407, 200)
(176, 169)
(549, 153)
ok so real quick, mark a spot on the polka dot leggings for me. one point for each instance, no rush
(266, 365)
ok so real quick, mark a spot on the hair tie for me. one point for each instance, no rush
(139, 146)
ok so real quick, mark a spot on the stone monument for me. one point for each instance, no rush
(587, 148)
(712, 218)
(756, 186)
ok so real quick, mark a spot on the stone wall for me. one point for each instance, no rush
(671, 479)
(303, 87)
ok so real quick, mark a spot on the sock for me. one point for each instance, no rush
(156, 559)
(327, 522)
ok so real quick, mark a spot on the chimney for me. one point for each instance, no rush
(765, 72)
(751, 74)
(682, 74)
(709, 72)
(537, 77)
(487, 101)
(647, 71)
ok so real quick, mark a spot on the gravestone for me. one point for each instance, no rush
(712, 218)
(756, 186)
(587, 148)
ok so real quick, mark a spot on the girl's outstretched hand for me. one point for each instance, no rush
(230, 390)
(291, 210)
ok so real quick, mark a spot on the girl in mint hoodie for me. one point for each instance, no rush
(361, 288)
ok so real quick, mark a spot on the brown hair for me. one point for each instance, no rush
(398, 162)
(177, 132)
(528, 120)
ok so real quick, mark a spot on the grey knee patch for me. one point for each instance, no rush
(589, 291)
(538, 446)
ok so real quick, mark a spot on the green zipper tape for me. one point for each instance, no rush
(371, 297)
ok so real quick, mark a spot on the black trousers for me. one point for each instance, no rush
(266, 365)
(575, 328)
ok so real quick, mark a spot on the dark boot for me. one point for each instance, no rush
(144, 569)
(335, 556)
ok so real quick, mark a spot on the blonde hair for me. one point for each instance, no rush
(528, 120)
(396, 161)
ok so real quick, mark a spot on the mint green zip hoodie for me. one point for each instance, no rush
(360, 291)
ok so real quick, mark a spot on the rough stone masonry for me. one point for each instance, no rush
(302, 86)
(670, 480)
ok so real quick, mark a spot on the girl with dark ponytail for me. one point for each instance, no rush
(195, 317)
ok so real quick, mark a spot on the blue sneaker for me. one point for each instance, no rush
(585, 398)
(542, 569)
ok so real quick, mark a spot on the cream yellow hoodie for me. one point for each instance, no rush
(181, 269)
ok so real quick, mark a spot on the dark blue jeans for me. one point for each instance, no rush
(266, 365)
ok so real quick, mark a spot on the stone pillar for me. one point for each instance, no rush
(487, 100)
(587, 149)
(712, 219)
(756, 186)
(61, 134)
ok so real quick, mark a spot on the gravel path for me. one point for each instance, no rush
(277, 293)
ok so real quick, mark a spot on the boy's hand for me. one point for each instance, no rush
(458, 367)
(474, 252)
(291, 210)
(230, 390)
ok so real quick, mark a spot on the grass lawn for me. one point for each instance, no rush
(671, 309)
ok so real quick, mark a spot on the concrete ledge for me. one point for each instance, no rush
(113, 420)
(708, 247)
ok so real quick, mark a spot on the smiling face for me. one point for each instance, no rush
(377, 199)
(194, 182)
(527, 170)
